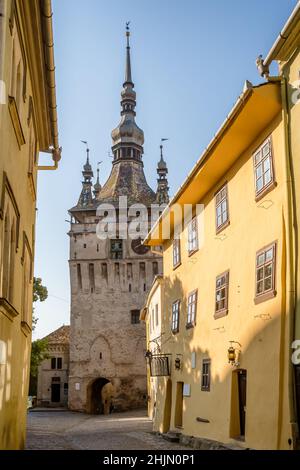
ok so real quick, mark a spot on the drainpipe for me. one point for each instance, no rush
(292, 255)
(292, 251)
(3, 14)
(292, 235)
(46, 13)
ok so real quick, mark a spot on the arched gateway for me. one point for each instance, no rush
(99, 396)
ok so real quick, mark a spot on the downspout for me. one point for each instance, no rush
(46, 13)
(292, 255)
(3, 22)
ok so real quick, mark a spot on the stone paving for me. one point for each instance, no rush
(66, 430)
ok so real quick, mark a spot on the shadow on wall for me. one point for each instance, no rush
(251, 393)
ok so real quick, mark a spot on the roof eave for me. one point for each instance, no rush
(266, 95)
(281, 49)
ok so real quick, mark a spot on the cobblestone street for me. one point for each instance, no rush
(65, 430)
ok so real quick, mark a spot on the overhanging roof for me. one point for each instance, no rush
(254, 110)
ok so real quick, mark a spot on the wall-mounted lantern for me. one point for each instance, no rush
(148, 354)
(233, 353)
(177, 363)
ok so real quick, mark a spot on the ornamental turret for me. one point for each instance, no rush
(162, 194)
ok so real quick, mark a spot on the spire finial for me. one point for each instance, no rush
(98, 170)
(161, 148)
(128, 78)
(127, 32)
(87, 151)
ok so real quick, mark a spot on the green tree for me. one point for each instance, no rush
(38, 354)
(39, 347)
(40, 293)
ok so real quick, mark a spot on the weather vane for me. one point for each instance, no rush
(85, 143)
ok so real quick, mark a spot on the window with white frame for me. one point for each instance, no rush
(192, 309)
(176, 252)
(193, 236)
(263, 167)
(175, 316)
(222, 214)
(265, 273)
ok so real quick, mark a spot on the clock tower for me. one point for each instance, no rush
(110, 278)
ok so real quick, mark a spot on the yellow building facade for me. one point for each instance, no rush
(228, 297)
(28, 125)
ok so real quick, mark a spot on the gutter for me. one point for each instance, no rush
(46, 14)
(283, 35)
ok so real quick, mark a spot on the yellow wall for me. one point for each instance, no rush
(15, 328)
(258, 328)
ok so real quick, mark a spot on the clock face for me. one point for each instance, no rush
(138, 248)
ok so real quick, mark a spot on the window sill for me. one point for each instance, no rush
(265, 191)
(25, 328)
(221, 313)
(176, 266)
(8, 309)
(222, 227)
(191, 253)
(266, 296)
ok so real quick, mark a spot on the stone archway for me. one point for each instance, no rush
(99, 396)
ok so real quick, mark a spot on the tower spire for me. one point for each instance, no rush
(97, 185)
(127, 137)
(86, 197)
(128, 78)
(162, 193)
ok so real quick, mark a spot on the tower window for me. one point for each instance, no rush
(116, 249)
(117, 269)
(104, 270)
(79, 277)
(135, 317)
(59, 363)
(142, 269)
(129, 270)
(155, 268)
(92, 276)
(128, 152)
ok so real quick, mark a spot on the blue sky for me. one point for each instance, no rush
(189, 61)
